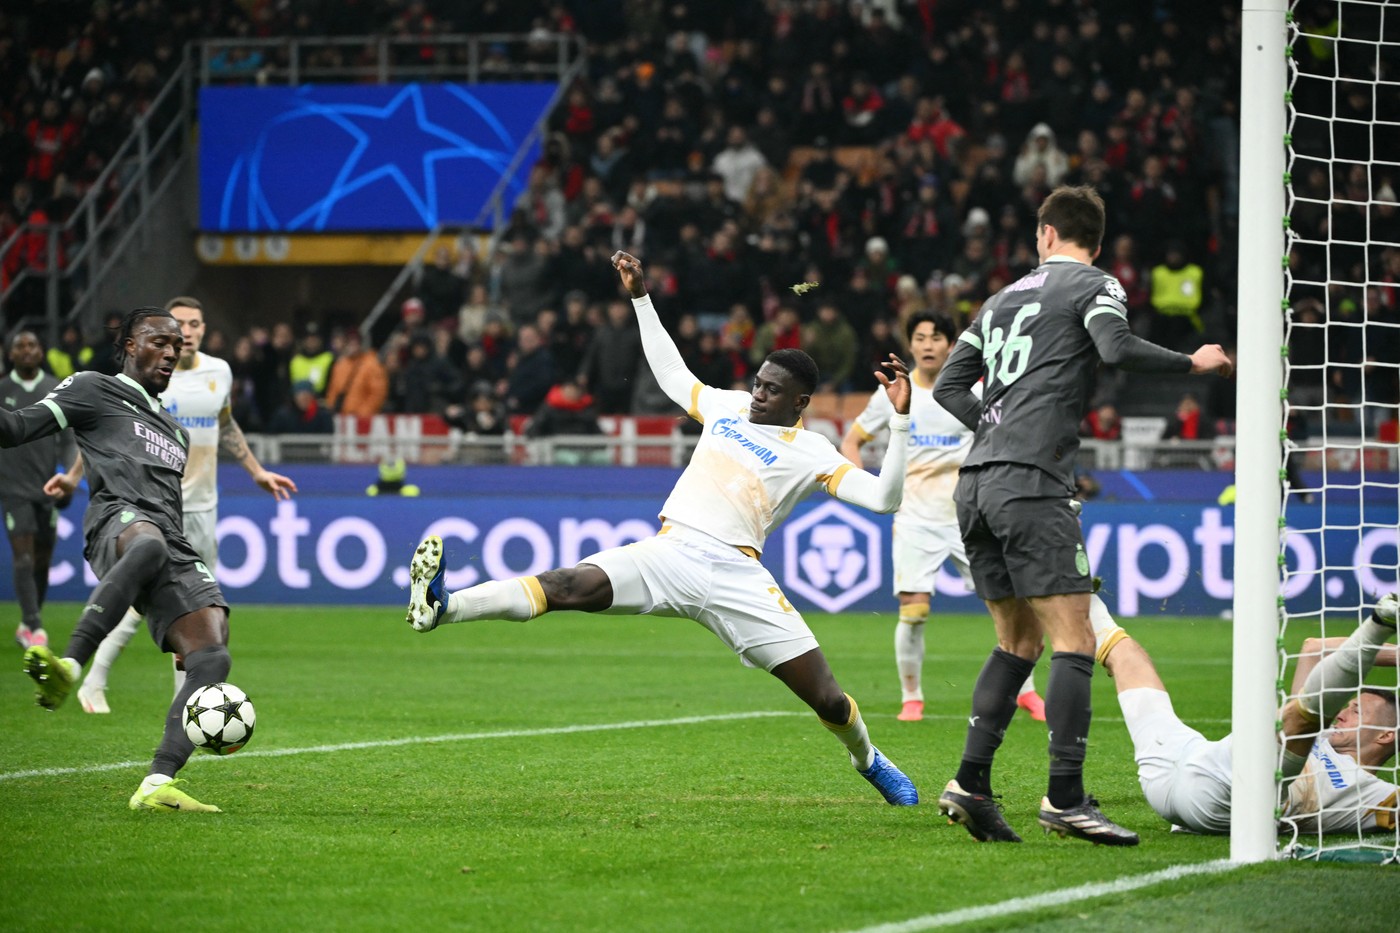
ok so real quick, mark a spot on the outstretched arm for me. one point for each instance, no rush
(232, 442)
(62, 484)
(674, 377)
(29, 424)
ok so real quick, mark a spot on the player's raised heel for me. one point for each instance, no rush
(28, 638)
(167, 798)
(427, 594)
(979, 813)
(1031, 702)
(52, 678)
(1086, 822)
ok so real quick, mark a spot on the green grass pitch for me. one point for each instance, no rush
(524, 818)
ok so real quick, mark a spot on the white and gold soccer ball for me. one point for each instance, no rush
(219, 718)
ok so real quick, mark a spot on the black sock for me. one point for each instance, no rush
(202, 668)
(43, 557)
(27, 591)
(1068, 711)
(993, 705)
(143, 559)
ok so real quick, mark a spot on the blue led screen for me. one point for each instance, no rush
(386, 157)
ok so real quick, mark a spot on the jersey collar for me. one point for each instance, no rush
(1063, 258)
(26, 386)
(155, 405)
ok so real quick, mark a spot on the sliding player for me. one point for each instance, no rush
(926, 526)
(754, 463)
(1337, 732)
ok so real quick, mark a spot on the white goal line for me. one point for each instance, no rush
(1084, 892)
(453, 737)
(411, 740)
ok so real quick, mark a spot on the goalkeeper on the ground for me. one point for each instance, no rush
(1335, 732)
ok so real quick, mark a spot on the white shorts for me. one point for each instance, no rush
(689, 574)
(1184, 776)
(920, 549)
(199, 532)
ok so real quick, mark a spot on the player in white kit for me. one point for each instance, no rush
(926, 526)
(198, 397)
(753, 464)
(1336, 732)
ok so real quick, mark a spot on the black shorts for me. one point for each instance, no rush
(185, 585)
(1021, 532)
(30, 516)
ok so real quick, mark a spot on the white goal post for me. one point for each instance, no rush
(1258, 445)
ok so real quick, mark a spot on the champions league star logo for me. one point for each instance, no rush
(831, 556)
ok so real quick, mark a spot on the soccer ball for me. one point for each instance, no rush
(219, 718)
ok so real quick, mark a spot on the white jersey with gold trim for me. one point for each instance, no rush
(195, 398)
(1334, 794)
(745, 478)
(938, 445)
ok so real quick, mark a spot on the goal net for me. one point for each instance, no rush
(1341, 364)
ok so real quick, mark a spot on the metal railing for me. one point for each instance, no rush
(97, 234)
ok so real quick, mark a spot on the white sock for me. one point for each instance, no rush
(1027, 687)
(909, 657)
(855, 737)
(1107, 631)
(519, 599)
(155, 780)
(111, 647)
(1336, 678)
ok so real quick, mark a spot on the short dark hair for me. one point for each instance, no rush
(1391, 698)
(797, 364)
(128, 323)
(10, 343)
(1076, 213)
(184, 301)
(942, 324)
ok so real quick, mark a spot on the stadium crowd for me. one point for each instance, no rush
(894, 152)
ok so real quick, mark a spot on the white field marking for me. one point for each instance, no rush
(1020, 905)
(411, 740)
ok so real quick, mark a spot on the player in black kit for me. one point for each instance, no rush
(1036, 344)
(134, 453)
(31, 517)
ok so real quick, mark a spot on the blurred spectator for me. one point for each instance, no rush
(1041, 152)
(532, 374)
(831, 342)
(524, 274)
(1177, 291)
(312, 362)
(427, 382)
(101, 353)
(68, 355)
(1102, 423)
(359, 385)
(442, 286)
(567, 410)
(611, 360)
(1188, 423)
(876, 345)
(302, 414)
(737, 164)
(711, 363)
(482, 415)
(784, 332)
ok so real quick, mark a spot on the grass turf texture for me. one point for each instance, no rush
(755, 823)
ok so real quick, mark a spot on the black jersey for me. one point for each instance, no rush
(1037, 344)
(24, 470)
(133, 449)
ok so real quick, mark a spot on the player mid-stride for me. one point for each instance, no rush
(135, 454)
(753, 464)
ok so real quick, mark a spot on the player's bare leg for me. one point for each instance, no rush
(810, 678)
